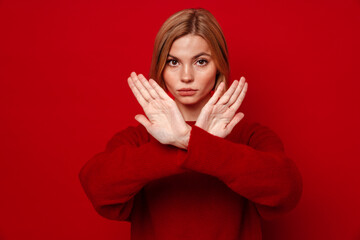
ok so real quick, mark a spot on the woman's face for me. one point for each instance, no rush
(190, 71)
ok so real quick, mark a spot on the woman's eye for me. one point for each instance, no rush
(172, 62)
(202, 62)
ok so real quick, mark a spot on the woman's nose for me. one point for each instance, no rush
(187, 74)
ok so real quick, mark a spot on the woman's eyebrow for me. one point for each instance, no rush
(194, 57)
(201, 54)
(169, 55)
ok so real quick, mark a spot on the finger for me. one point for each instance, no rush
(136, 93)
(217, 94)
(143, 91)
(143, 120)
(147, 85)
(236, 119)
(160, 91)
(240, 99)
(225, 98)
(237, 92)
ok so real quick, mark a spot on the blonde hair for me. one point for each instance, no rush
(190, 21)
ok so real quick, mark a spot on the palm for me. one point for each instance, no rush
(219, 116)
(164, 120)
(164, 116)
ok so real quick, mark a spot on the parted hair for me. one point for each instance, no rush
(190, 21)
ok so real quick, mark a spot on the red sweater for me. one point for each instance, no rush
(217, 189)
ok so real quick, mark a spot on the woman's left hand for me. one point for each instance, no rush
(219, 116)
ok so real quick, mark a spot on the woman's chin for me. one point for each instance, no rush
(189, 102)
(186, 101)
(192, 101)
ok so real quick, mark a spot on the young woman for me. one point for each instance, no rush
(194, 168)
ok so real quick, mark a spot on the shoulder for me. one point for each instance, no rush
(132, 135)
(255, 135)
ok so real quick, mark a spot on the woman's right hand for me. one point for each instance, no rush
(164, 120)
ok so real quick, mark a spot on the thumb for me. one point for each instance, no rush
(236, 119)
(143, 120)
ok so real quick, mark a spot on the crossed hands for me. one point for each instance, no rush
(164, 120)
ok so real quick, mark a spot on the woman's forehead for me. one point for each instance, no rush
(189, 46)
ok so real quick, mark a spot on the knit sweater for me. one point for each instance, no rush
(217, 189)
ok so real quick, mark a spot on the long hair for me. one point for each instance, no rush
(190, 21)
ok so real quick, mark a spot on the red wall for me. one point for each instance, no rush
(63, 94)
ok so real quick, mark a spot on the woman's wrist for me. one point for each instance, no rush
(183, 140)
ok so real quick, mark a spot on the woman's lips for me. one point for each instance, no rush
(186, 91)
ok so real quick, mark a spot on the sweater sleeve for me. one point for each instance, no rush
(256, 169)
(131, 159)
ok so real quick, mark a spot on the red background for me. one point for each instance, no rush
(63, 91)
